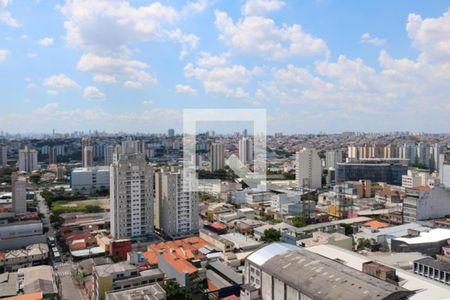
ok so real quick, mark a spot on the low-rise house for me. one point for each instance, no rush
(149, 292)
(32, 255)
(323, 238)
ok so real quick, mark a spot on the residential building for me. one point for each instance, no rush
(3, 155)
(87, 155)
(131, 196)
(408, 152)
(52, 157)
(308, 169)
(415, 178)
(178, 205)
(19, 193)
(424, 203)
(332, 158)
(274, 270)
(390, 173)
(38, 279)
(121, 276)
(34, 254)
(216, 156)
(28, 160)
(90, 180)
(246, 150)
(108, 155)
(171, 132)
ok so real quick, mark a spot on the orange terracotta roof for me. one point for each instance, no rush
(151, 257)
(32, 296)
(376, 224)
(181, 265)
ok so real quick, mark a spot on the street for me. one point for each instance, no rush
(69, 290)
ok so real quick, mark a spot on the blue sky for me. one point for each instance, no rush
(315, 65)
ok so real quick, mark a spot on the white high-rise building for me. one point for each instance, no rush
(353, 153)
(3, 155)
(131, 196)
(108, 155)
(408, 151)
(423, 154)
(28, 160)
(19, 193)
(308, 169)
(332, 158)
(437, 150)
(246, 150)
(88, 156)
(176, 204)
(216, 157)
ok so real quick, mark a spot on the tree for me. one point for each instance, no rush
(93, 209)
(175, 292)
(363, 243)
(299, 221)
(271, 235)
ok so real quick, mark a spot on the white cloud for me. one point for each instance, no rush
(260, 35)
(93, 93)
(260, 7)
(104, 78)
(185, 89)
(52, 93)
(108, 69)
(60, 81)
(208, 60)
(223, 80)
(431, 36)
(24, 37)
(5, 15)
(194, 7)
(47, 41)
(367, 38)
(31, 55)
(108, 26)
(188, 41)
(4, 53)
(133, 84)
(147, 102)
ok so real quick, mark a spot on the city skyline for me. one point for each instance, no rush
(316, 66)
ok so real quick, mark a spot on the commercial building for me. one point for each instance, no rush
(216, 157)
(19, 193)
(121, 276)
(131, 197)
(426, 242)
(424, 203)
(332, 158)
(274, 270)
(176, 205)
(28, 160)
(246, 150)
(90, 180)
(415, 178)
(433, 269)
(38, 279)
(308, 169)
(390, 173)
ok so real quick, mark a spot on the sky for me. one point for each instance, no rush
(314, 65)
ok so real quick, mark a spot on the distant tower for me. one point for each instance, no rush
(171, 132)
(216, 157)
(52, 157)
(308, 169)
(246, 150)
(3, 155)
(108, 155)
(131, 196)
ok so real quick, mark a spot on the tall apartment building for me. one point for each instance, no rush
(423, 154)
(28, 160)
(391, 151)
(87, 152)
(352, 153)
(3, 155)
(52, 156)
(176, 205)
(108, 155)
(216, 157)
(308, 169)
(409, 152)
(19, 193)
(131, 196)
(437, 150)
(246, 150)
(332, 158)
